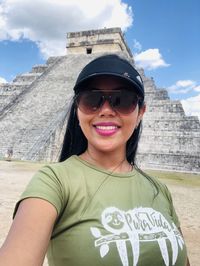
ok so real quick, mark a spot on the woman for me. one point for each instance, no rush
(95, 207)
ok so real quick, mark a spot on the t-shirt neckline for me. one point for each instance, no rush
(99, 169)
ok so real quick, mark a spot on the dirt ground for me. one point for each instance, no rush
(14, 177)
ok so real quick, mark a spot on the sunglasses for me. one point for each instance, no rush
(122, 100)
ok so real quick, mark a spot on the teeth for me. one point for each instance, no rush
(106, 127)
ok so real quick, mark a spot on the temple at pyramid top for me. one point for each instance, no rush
(97, 41)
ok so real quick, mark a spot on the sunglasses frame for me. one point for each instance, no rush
(106, 96)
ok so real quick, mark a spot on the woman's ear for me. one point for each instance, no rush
(142, 109)
(141, 112)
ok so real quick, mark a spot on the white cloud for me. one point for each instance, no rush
(2, 80)
(178, 89)
(183, 87)
(137, 45)
(192, 106)
(2, 26)
(197, 88)
(185, 83)
(46, 22)
(150, 59)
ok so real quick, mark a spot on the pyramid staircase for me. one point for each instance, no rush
(34, 113)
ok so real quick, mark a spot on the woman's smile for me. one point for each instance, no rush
(106, 128)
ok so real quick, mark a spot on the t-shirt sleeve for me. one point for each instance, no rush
(173, 211)
(48, 185)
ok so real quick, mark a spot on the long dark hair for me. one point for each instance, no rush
(76, 143)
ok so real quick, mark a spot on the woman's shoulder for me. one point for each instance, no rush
(59, 167)
(70, 170)
(155, 180)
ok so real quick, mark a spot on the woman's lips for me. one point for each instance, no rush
(106, 128)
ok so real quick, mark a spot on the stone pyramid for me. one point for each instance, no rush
(34, 109)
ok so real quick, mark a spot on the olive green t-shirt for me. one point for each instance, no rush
(106, 218)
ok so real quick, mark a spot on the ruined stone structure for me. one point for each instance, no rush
(33, 109)
(97, 41)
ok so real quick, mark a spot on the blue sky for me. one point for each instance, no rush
(164, 36)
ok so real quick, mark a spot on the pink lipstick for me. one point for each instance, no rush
(106, 128)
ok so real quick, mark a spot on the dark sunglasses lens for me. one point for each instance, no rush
(89, 101)
(124, 102)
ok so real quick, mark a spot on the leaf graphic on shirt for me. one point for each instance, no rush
(164, 251)
(96, 232)
(180, 243)
(104, 250)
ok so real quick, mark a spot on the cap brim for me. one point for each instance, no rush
(135, 85)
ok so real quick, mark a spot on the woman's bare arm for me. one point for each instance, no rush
(29, 235)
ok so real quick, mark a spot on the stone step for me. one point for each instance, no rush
(156, 95)
(161, 115)
(169, 145)
(39, 69)
(164, 106)
(10, 87)
(176, 125)
(166, 161)
(52, 60)
(26, 78)
(170, 133)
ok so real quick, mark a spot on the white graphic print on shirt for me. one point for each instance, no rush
(137, 225)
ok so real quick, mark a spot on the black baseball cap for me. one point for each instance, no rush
(111, 65)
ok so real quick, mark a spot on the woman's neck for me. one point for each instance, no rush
(109, 161)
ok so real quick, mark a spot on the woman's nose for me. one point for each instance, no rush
(106, 109)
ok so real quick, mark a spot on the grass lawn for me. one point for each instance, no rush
(169, 177)
(178, 178)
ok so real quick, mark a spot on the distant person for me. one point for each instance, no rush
(9, 154)
(96, 207)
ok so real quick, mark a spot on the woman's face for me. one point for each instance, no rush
(107, 130)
